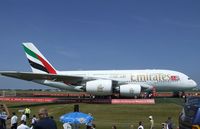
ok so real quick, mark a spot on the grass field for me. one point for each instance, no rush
(120, 115)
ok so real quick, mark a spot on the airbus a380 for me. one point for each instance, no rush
(100, 82)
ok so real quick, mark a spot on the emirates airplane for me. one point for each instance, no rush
(127, 83)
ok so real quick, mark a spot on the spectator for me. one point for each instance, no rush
(27, 112)
(93, 126)
(169, 123)
(23, 117)
(140, 125)
(13, 122)
(3, 118)
(151, 122)
(164, 126)
(33, 121)
(23, 125)
(67, 126)
(89, 125)
(44, 121)
(4, 113)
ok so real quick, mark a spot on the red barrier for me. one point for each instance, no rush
(61, 94)
(132, 101)
(100, 101)
(39, 100)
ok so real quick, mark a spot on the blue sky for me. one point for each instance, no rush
(104, 34)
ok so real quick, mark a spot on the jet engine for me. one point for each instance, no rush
(130, 90)
(99, 87)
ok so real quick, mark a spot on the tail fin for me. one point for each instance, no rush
(39, 64)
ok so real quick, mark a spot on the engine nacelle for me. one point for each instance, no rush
(130, 90)
(99, 87)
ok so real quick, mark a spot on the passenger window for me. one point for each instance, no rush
(189, 78)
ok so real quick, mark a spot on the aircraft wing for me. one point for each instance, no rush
(29, 76)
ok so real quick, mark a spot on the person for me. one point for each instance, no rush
(67, 126)
(3, 118)
(140, 125)
(93, 126)
(169, 123)
(13, 122)
(4, 113)
(114, 127)
(23, 117)
(44, 121)
(164, 126)
(151, 122)
(27, 112)
(23, 125)
(33, 121)
(89, 125)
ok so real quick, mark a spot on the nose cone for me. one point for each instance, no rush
(193, 83)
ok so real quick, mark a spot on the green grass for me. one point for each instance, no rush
(121, 115)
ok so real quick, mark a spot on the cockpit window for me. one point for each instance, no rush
(189, 78)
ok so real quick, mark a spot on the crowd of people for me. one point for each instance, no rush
(28, 121)
(25, 121)
(168, 124)
(44, 121)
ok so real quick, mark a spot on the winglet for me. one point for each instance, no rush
(39, 64)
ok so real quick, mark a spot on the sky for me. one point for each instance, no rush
(100, 35)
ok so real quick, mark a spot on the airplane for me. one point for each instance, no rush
(126, 83)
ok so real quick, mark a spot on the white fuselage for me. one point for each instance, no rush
(162, 80)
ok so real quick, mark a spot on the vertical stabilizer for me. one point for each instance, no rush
(39, 64)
